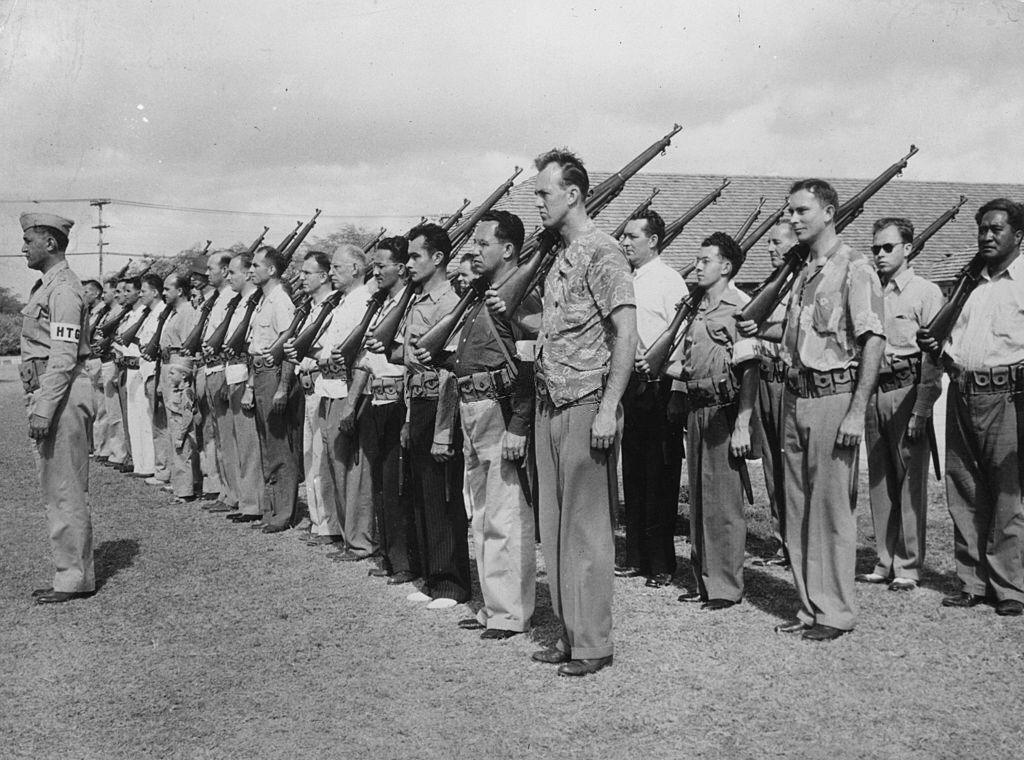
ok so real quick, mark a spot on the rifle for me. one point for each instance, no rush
(236, 343)
(749, 221)
(657, 355)
(376, 239)
(152, 349)
(533, 271)
(771, 292)
(216, 341)
(762, 229)
(130, 334)
(296, 239)
(276, 350)
(100, 316)
(640, 209)
(194, 342)
(676, 226)
(258, 241)
(284, 243)
(437, 337)
(108, 330)
(447, 222)
(461, 234)
(349, 348)
(942, 323)
(947, 216)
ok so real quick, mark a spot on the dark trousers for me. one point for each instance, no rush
(380, 429)
(438, 509)
(280, 453)
(652, 460)
(768, 438)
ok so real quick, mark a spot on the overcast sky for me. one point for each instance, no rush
(378, 112)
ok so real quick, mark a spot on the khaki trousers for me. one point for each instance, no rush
(576, 516)
(219, 409)
(323, 522)
(347, 487)
(114, 447)
(241, 451)
(768, 437)
(140, 422)
(158, 414)
(278, 446)
(206, 438)
(501, 520)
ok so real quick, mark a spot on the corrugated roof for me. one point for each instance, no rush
(921, 202)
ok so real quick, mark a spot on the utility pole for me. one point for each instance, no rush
(99, 227)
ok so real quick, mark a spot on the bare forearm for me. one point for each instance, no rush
(621, 365)
(867, 373)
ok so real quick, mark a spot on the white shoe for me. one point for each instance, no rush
(418, 596)
(154, 481)
(870, 578)
(903, 584)
(441, 603)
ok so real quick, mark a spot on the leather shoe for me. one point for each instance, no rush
(796, 626)
(659, 580)
(125, 468)
(40, 591)
(1010, 608)
(823, 633)
(626, 571)
(903, 584)
(402, 577)
(870, 578)
(240, 518)
(323, 540)
(377, 572)
(498, 634)
(345, 556)
(144, 475)
(717, 604)
(963, 599)
(471, 624)
(275, 528)
(551, 656)
(691, 596)
(584, 667)
(219, 506)
(59, 597)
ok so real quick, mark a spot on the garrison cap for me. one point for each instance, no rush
(35, 219)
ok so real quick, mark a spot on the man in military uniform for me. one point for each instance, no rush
(54, 346)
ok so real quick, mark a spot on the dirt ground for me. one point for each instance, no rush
(210, 640)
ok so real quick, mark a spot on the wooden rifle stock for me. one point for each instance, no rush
(104, 310)
(640, 209)
(461, 234)
(947, 216)
(749, 221)
(387, 327)
(152, 348)
(349, 348)
(306, 339)
(108, 330)
(276, 350)
(131, 333)
(236, 343)
(216, 341)
(676, 226)
(436, 338)
(194, 342)
(762, 229)
(658, 354)
(945, 318)
(258, 241)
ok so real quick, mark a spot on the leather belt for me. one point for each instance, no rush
(167, 353)
(236, 361)
(264, 363)
(130, 362)
(492, 385)
(711, 391)
(387, 388)
(424, 385)
(772, 370)
(307, 379)
(809, 383)
(994, 380)
(901, 372)
(544, 395)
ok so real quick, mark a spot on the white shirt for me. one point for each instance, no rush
(344, 320)
(658, 288)
(990, 329)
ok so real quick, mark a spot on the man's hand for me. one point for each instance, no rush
(916, 427)
(290, 352)
(422, 356)
(248, 398)
(442, 452)
(641, 367)
(374, 346)
(926, 342)
(347, 423)
(338, 359)
(495, 303)
(675, 412)
(403, 436)
(739, 442)
(851, 430)
(38, 427)
(280, 401)
(747, 328)
(603, 429)
(513, 447)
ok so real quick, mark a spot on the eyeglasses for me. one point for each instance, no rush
(887, 247)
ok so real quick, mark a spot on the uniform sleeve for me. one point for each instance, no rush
(930, 387)
(67, 309)
(865, 304)
(610, 281)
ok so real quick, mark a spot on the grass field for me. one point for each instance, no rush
(210, 640)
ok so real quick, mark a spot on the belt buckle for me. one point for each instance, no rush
(981, 379)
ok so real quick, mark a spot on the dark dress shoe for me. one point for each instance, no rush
(100, 459)
(471, 624)
(219, 506)
(963, 599)
(584, 667)
(796, 626)
(659, 580)
(125, 468)
(823, 633)
(627, 571)
(691, 596)
(59, 597)
(377, 572)
(141, 475)
(718, 604)
(345, 556)
(551, 656)
(40, 591)
(185, 499)
(1010, 608)
(498, 634)
(403, 577)
(275, 528)
(240, 518)
(323, 540)
(211, 496)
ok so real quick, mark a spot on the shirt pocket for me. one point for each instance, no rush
(827, 313)
(903, 331)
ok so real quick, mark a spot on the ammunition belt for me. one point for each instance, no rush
(493, 385)
(544, 395)
(809, 383)
(387, 388)
(307, 379)
(30, 370)
(995, 380)
(772, 369)
(332, 370)
(424, 385)
(130, 362)
(234, 361)
(902, 372)
(167, 353)
(719, 390)
(263, 363)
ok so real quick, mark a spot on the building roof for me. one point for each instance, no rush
(922, 202)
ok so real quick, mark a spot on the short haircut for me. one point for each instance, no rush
(434, 236)
(274, 257)
(653, 224)
(468, 256)
(245, 257)
(58, 237)
(397, 246)
(181, 282)
(154, 281)
(322, 260)
(111, 279)
(1014, 212)
(820, 189)
(221, 258)
(354, 254)
(508, 228)
(728, 248)
(573, 171)
(94, 283)
(903, 225)
(134, 282)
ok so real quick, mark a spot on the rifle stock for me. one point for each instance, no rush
(152, 348)
(236, 343)
(194, 342)
(258, 241)
(130, 334)
(216, 341)
(945, 318)
(376, 239)
(436, 338)
(108, 330)
(276, 350)
(297, 239)
(283, 245)
(349, 348)
(762, 229)
(658, 354)
(310, 333)
(387, 327)
(452, 219)
(850, 210)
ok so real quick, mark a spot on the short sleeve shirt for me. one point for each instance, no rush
(588, 281)
(712, 346)
(272, 317)
(990, 329)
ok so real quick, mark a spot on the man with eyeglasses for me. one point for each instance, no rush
(900, 411)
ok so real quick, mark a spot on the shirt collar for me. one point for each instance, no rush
(53, 271)
(900, 281)
(1014, 271)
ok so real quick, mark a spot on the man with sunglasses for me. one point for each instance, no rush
(900, 411)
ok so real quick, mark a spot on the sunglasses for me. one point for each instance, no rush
(887, 247)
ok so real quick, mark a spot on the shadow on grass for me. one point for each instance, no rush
(113, 556)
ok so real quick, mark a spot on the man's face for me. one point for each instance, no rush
(780, 239)
(149, 294)
(386, 271)
(808, 216)
(997, 239)
(214, 271)
(172, 291)
(92, 294)
(313, 277)
(37, 247)
(110, 295)
(889, 250)
(552, 200)
(636, 244)
(197, 283)
(422, 263)
(489, 255)
(129, 294)
(262, 270)
(343, 271)
(711, 266)
(238, 274)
